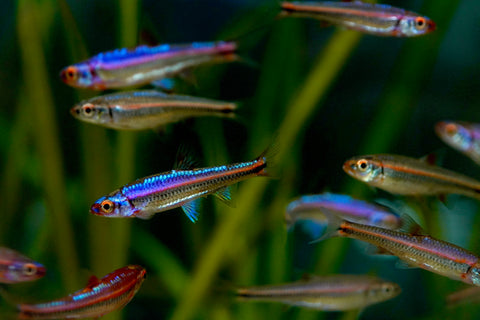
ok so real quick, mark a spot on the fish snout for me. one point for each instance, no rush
(96, 209)
(349, 167)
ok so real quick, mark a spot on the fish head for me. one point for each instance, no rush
(114, 205)
(455, 134)
(80, 75)
(383, 290)
(24, 271)
(473, 275)
(412, 25)
(93, 113)
(368, 169)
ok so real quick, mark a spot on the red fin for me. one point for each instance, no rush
(92, 282)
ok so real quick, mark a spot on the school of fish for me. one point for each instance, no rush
(324, 215)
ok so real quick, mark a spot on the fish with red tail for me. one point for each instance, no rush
(178, 188)
(100, 297)
(416, 248)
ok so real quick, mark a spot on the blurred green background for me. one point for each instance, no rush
(325, 94)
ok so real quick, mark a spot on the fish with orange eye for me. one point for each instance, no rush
(409, 176)
(376, 19)
(462, 136)
(142, 65)
(15, 267)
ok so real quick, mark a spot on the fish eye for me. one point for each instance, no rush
(420, 22)
(29, 269)
(71, 73)
(107, 206)
(88, 109)
(450, 129)
(362, 165)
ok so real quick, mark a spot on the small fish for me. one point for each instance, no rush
(408, 176)
(177, 188)
(376, 19)
(15, 267)
(329, 293)
(146, 109)
(100, 297)
(460, 135)
(415, 249)
(309, 208)
(142, 65)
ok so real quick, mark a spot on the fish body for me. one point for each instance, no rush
(144, 64)
(310, 207)
(408, 176)
(100, 297)
(330, 293)
(460, 135)
(417, 250)
(470, 294)
(177, 188)
(147, 109)
(15, 267)
(377, 19)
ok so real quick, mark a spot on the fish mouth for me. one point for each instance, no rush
(431, 25)
(41, 271)
(95, 209)
(348, 167)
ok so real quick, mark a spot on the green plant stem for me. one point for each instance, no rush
(46, 138)
(161, 260)
(321, 77)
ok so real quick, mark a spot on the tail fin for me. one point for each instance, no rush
(334, 223)
(268, 157)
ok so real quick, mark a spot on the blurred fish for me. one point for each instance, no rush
(470, 294)
(330, 293)
(100, 297)
(142, 65)
(147, 109)
(460, 135)
(15, 267)
(309, 208)
(408, 176)
(178, 188)
(416, 249)
(377, 19)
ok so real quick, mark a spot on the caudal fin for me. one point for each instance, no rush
(334, 223)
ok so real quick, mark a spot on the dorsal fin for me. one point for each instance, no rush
(92, 282)
(184, 159)
(410, 226)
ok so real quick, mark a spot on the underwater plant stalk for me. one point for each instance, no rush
(46, 138)
(250, 192)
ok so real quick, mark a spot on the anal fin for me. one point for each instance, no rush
(191, 209)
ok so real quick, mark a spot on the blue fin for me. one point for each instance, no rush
(191, 209)
(165, 84)
(225, 194)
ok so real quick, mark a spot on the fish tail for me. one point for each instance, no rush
(334, 225)
(267, 158)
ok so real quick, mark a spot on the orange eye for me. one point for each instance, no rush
(420, 22)
(29, 269)
(451, 129)
(107, 206)
(71, 73)
(88, 109)
(362, 165)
